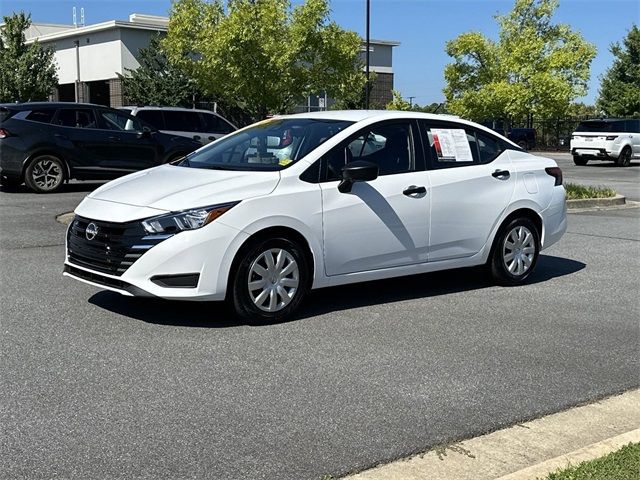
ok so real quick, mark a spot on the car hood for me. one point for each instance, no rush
(173, 188)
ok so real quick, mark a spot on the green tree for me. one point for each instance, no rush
(399, 103)
(535, 67)
(156, 81)
(27, 72)
(263, 55)
(620, 85)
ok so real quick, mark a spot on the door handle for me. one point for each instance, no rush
(59, 135)
(114, 139)
(501, 174)
(414, 190)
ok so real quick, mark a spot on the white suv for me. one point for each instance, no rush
(617, 140)
(203, 126)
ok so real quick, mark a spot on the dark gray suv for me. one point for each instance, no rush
(46, 144)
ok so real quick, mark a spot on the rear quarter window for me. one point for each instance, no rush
(633, 126)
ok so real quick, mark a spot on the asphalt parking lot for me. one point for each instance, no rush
(96, 385)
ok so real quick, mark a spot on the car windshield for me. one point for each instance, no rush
(272, 144)
(601, 127)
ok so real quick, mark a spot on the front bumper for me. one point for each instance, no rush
(205, 254)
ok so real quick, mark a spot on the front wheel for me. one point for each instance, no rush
(580, 161)
(272, 278)
(45, 174)
(515, 252)
(624, 160)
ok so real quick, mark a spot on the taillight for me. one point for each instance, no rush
(556, 173)
(612, 137)
(4, 133)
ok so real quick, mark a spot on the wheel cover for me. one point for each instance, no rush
(518, 250)
(46, 174)
(273, 280)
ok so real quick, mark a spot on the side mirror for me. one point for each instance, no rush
(358, 171)
(145, 133)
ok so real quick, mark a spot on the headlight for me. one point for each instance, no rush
(187, 220)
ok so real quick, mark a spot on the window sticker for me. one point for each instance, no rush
(451, 144)
(284, 162)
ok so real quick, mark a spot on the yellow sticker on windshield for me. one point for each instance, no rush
(284, 162)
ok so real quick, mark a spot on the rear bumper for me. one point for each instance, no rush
(554, 218)
(595, 152)
(12, 159)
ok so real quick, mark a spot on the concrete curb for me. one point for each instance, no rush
(618, 200)
(595, 450)
(65, 218)
(528, 450)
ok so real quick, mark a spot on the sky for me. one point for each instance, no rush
(422, 26)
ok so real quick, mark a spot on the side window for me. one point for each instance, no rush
(389, 145)
(119, 121)
(152, 117)
(451, 145)
(44, 115)
(215, 124)
(76, 117)
(618, 126)
(182, 121)
(633, 126)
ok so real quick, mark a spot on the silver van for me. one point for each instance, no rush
(203, 126)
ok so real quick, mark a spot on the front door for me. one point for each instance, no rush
(382, 223)
(125, 147)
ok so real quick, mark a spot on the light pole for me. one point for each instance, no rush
(367, 41)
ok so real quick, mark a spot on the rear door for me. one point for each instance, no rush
(184, 123)
(472, 181)
(633, 130)
(76, 134)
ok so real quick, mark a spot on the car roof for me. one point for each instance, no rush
(605, 120)
(179, 109)
(31, 105)
(360, 115)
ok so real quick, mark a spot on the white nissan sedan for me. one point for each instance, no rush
(297, 202)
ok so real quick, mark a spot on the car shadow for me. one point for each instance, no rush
(609, 164)
(87, 186)
(218, 315)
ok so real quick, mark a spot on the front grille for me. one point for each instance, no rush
(115, 247)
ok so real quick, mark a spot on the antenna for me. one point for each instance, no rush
(82, 16)
(75, 24)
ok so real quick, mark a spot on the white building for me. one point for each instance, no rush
(90, 57)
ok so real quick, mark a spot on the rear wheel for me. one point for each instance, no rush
(523, 144)
(580, 161)
(272, 278)
(515, 252)
(624, 160)
(45, 174)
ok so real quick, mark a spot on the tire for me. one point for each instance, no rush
(247, 301)
(624, 160)
(580, 161)
(523, 145)
(45, 174)
(516, 271)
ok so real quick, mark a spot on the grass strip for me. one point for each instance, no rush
(576, 192)
(623, 464)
